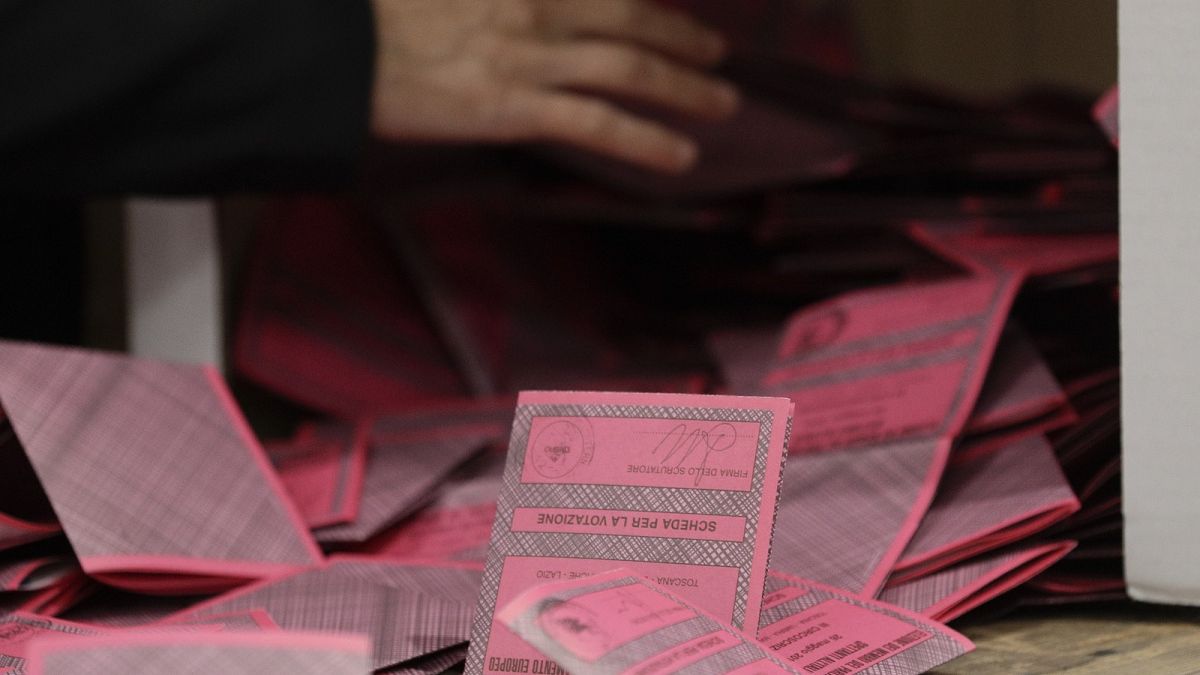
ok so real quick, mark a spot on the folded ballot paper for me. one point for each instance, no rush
(25, 514)
(172, 653)
(323, 472)
(23, 633)
(883, 381)
(405, 464)
(620, 622)
(1020, 395)
(456, 524)
(19, 629)
(680, 488)
(151, 470)
(409, 611)
(987, 500)
(953, 591)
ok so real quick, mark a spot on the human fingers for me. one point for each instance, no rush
(600, 127)
(639, 21)
(623, 70)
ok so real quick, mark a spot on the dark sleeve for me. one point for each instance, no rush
(182, 96)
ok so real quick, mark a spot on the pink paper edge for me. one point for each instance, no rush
(1101, 109)
(1083, 384)
(1032, 563)
(1024, 411)
(190, 612)
(1061, 509)
(328, 520)
(973, 450)
(30, 616)
(344, 642)
(1049, 514)
(263, 619)
(920, 505)
(35, 602)
(23, 571)
(61, 596)
(783, 409)
(254, 448)
(547, 397)
(29, 526)
(472, 565)
(1008, 286)
(352, 499)
(351, 486)
(914, 616)
(115, 565)
(923, 237)
(258, 615)
(1082, 586)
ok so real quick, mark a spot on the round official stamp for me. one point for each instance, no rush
(575, 627)
(559, 447)
(816, 331)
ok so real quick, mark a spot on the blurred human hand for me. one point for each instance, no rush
(535, 70)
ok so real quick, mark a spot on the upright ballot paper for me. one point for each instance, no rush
(678, 488)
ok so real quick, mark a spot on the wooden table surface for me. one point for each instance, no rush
(1118, 638)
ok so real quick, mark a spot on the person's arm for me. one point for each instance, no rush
(182, 95)
(210, 95)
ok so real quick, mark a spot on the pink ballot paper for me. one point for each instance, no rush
(977, 248)
(846, 517)
(409, 611)
(988, 500)
(35, 574)
(25, 513)
(1107, 113)
(323, 473)
(883, 380)
(159, 483)
(171, 653)
(679, 488)
(890, 364)
(456, 525)
(953, 591)
(619, 622)
(1019, 391)
(19, 629)
(410, 455)
(825, 631)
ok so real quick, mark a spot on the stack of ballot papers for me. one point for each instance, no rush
(854, 378)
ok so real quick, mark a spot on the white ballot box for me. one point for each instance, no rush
(1160, 297)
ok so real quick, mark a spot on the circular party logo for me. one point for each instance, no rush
(559, 447)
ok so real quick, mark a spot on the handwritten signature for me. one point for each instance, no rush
(696, 443)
